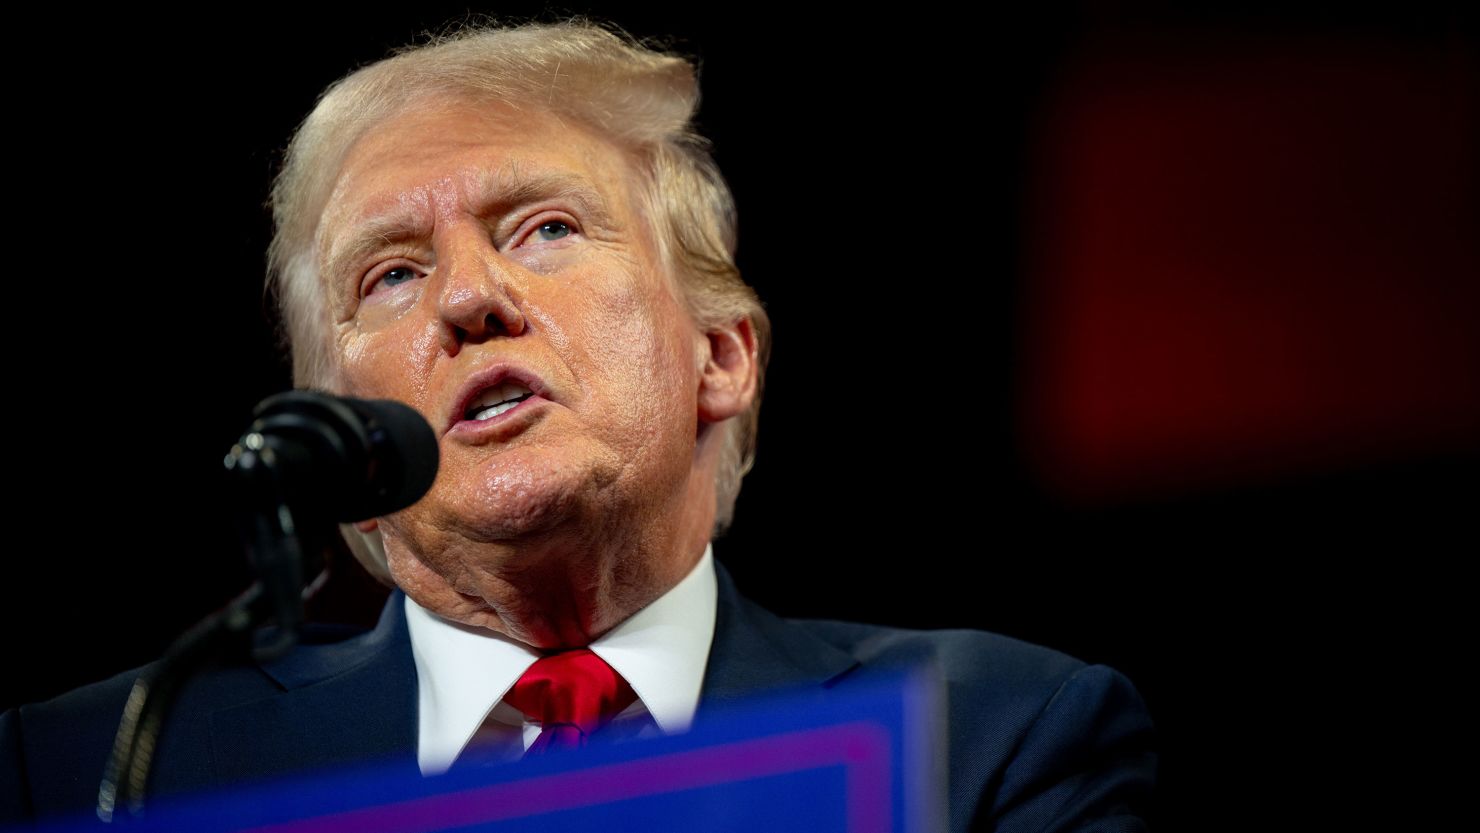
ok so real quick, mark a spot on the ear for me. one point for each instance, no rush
(727, 375)
(368, 548)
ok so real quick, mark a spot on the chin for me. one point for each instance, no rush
(523, 494)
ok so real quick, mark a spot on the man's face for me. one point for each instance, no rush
(490, 268)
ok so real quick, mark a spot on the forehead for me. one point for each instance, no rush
(441, 155)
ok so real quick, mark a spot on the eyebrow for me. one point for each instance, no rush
(498, 192)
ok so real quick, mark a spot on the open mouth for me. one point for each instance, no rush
(496, 400)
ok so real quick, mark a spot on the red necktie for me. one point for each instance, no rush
(571, 694)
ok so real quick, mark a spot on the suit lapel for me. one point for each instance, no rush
(356, 701)
(345, 703)
(755, 651)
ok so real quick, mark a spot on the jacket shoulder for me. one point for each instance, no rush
(1036, 739)
(56, 751)
(60, 747)
(964, 657)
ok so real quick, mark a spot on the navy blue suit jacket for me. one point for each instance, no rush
(1037, 740)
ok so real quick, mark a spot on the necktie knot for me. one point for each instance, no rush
(572, 694)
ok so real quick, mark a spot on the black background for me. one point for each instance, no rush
(1277, 629)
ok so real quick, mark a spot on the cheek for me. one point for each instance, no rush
(642, 347)
(549, 326)
(388, 363)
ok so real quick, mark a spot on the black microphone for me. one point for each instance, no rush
(308, 460)
(336, 457)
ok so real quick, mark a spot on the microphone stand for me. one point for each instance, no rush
(272, 540)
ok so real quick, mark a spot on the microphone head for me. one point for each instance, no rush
(351, 459)
(408, 454)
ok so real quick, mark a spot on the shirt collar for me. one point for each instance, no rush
(463, 672)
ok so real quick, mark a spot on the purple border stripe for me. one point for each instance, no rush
(861, 748)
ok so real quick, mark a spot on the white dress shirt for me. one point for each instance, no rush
(463, 674)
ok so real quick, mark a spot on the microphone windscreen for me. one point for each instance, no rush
(409, 454)
(344, 458)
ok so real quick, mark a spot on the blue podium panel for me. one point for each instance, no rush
(864, 760)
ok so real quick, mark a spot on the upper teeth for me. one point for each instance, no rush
(497, 399)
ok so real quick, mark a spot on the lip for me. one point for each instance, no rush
(487, 378)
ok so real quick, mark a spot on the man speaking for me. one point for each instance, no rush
(517, 232)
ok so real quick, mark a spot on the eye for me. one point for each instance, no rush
(552, 230)
(396, 276)
(391, 278)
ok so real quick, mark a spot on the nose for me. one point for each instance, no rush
(480, 291)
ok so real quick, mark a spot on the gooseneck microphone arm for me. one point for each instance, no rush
(121, 793)
(308, 462)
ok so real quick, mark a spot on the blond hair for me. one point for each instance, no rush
(642, 99)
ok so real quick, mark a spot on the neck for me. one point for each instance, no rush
(566, 587)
